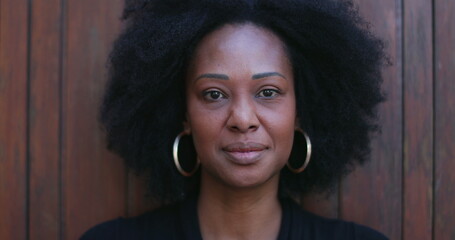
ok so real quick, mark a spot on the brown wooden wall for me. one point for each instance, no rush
(56, 179)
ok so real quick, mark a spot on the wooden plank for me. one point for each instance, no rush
(13, 119)
(418, 120)
(44, 120)
(94, 182)
(444, 215)
(372, 194)
(138, 200)
(322, 204)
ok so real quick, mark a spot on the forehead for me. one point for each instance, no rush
(237, 45)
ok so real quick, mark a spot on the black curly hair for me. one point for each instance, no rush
(337, 65)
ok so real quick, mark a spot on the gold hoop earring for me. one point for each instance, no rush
(175, 152)
(308, 153)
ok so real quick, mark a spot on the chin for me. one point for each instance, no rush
(265, 173)
(249, 179)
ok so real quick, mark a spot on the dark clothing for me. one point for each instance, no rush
(181, 222)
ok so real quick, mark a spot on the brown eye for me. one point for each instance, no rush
(213, 95)
(268, 93)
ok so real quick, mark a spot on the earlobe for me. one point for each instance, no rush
(186, 127)
(296, 123)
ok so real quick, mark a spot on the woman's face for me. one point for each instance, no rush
(241, 105)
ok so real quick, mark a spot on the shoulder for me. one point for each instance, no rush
(317, 227)
(155, 224)
(364, 232)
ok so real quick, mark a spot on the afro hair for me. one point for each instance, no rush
(337, 65)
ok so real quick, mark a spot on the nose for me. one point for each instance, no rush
(243, 116)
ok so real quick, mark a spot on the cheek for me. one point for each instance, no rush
(282, 133)
(205, 125)
(280, 124)
(283, 139)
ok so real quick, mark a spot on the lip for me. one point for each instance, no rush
(244, 153)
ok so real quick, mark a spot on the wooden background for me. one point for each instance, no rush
(56, 179)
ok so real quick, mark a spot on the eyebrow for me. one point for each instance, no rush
(213, 75)
(267, 74)
(226, 77)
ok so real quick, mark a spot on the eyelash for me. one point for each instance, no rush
(207, 94)
(275, 93)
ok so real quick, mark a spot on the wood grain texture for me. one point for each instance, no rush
(418, 125)
(444, 216)
(138, 199)
(94, 182)
(322, 204)
(13, 119)
(44, 110)
(372, 194)
(57, 179)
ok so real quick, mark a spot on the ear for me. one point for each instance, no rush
(186, 125)
(297, 122)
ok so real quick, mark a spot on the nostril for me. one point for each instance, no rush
(243, 129)
(242, 119)
(234, 127)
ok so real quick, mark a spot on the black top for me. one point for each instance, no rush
(180, 221)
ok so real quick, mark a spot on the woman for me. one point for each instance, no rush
(233, 107)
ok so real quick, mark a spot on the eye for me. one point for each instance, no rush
(213, 95)
(268, 93)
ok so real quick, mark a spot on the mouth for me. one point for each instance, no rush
(244, 153)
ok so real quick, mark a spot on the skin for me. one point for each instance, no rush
(241, 114)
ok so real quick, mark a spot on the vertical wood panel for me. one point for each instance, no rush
(138, 200)
(13, 118)
(444, 219)
(44, 120)
(93, 181)
(372, 194)
(96, 186)
(418, 120)
(322, 204)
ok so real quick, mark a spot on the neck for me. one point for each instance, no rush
(230, 213)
